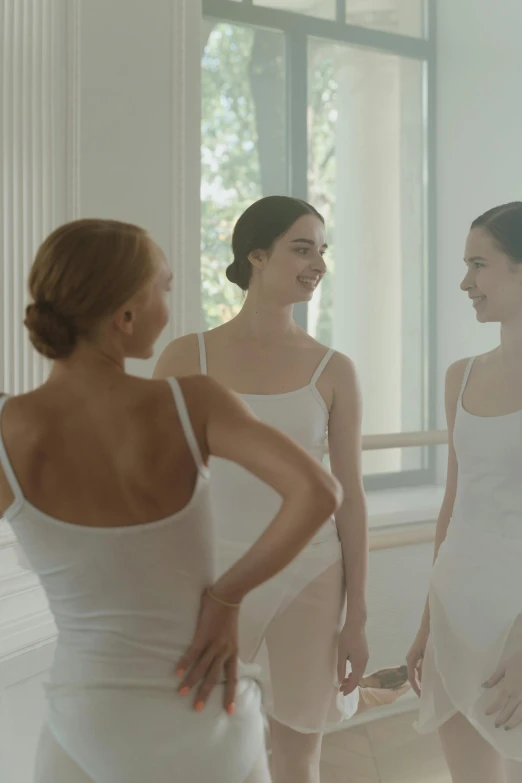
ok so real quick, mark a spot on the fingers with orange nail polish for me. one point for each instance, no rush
(199, 706)
(184, 690)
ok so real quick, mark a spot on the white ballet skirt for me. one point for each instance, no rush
(290, 625)
(475, 593)
(125, 601)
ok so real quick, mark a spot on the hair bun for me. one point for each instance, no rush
(52, 334)
(231, 272)
(239, 273)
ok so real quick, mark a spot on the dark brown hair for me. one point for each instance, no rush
(504, 223)
(258, 228)
(83, 272)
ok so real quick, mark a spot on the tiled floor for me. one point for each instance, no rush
(385, 751)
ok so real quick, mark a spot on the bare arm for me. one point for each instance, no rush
(415, 657)
(310, 494)
(344, 440)
(454, 378)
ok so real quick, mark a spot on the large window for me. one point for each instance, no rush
(330, 100)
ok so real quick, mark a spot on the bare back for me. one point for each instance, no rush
(250, 366)
(109, 455)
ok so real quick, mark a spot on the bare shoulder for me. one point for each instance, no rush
(343, 367)
(488, 362)
(342, 375)
(25, 417)
(21, 405)
(339, 383)
(340, 367)
(454, 381)
(455, 376)
(180, 358)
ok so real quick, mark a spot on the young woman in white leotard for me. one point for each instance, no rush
(304, 625)
(103, 478)
(466, 662)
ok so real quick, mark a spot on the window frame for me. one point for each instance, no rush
(297, 29)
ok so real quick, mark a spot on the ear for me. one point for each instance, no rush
(125, 319)
(257, 258)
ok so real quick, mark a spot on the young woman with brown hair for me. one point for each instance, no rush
(103, 478)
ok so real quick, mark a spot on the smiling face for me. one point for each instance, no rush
(493, 280)
(294, 266)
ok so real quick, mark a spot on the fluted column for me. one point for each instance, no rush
(38, 143)
(35, 152)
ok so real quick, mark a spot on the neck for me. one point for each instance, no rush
(264, 320)
(88, 363)
(511, 342)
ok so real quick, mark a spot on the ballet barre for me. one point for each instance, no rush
(409, 535)
(402, 440)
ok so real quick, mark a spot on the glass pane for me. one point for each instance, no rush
(405, 17)
(243, 154)
(325, 9)
(366, 176)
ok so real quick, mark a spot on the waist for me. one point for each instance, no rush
(97, 663)
(490, 503)
(483, 556)
(101, 668)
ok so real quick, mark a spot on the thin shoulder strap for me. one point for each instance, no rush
(5, 462)
(202, 354)
(186, 424)
(326, 358)
(466, 377)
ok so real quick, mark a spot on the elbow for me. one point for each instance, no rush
(326, 494)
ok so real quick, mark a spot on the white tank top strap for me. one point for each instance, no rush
(202, 354)
(466, 377)
(5, 462)
(326, 358)
(186, 424)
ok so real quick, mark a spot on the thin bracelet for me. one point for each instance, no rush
(218, 600)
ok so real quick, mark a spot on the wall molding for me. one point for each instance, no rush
(39, 129)
(27, 633)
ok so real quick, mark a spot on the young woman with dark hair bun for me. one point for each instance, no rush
(306, 627)
(466, 661)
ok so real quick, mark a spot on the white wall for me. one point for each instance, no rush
(479, 138)
(138, 133)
